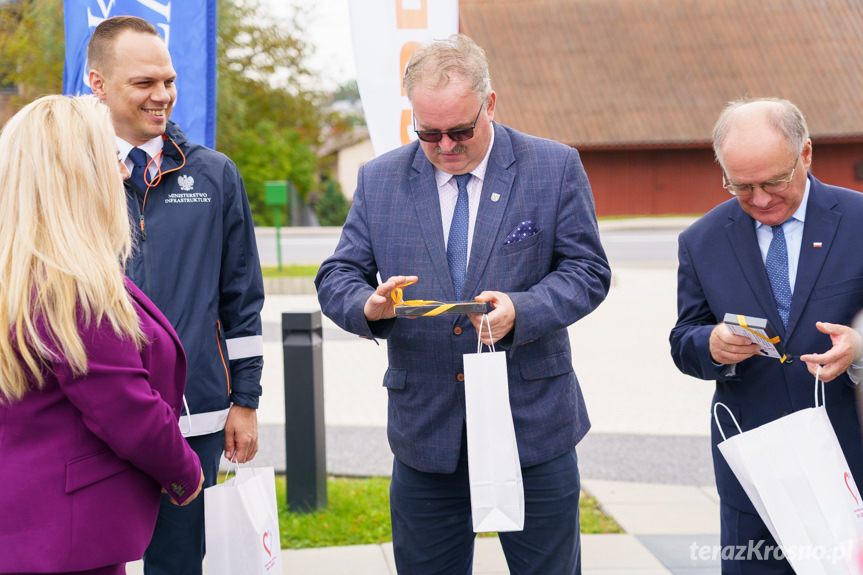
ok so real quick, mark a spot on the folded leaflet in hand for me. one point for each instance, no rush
(759, 331)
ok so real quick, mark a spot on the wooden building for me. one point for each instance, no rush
(636, 85)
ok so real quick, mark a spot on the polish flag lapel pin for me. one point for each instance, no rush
(817, 244)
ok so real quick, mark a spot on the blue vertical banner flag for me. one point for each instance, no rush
(189, 30)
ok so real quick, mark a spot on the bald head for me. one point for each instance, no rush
(754, 116)
(763, 146)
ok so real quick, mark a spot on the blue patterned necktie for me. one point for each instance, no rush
(456, 246)
(139, 161)
(777, 272)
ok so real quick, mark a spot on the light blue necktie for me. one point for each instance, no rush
(456, 245)
(777, 272)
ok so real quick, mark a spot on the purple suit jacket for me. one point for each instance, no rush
(82, 460)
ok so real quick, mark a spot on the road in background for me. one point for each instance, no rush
(649, 422)
(627, 242)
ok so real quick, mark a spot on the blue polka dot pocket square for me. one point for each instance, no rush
(522, 231)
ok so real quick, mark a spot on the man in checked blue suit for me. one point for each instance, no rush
(517, 231)
(786, 249)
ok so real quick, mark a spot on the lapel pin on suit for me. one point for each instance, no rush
(816, 244)
(495, 197)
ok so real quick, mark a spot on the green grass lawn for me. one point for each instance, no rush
(593, 519)
(290, 271)
(358, 513)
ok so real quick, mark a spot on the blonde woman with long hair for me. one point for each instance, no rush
(91, 373)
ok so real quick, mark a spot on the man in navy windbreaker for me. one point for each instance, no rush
(196, 259)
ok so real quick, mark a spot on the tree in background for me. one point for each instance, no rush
(269, 122)
(346, 98)
(31, 49)
(331, 207)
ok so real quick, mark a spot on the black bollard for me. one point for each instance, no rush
(305, 445)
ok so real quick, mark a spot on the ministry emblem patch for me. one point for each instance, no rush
(187, 183)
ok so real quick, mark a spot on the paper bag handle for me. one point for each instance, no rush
(737, 425)
(236, 467)
(487, 321)
(186, 432)
(817, 381)
(716, 418)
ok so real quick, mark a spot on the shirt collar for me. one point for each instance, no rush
(800, 213)
(152, 147)
(442, 177)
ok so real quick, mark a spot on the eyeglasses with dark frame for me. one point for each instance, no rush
(459, 135)
(770, 186)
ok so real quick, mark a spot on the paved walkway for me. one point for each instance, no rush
(666, 526)
(668, 529)
(646, 459)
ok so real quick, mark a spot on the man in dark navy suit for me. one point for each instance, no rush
(786, 248)
(475, 210)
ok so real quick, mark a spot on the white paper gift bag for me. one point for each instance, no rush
(241, 522)
(796, 476)
(496, 489)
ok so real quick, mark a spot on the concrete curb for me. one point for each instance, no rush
(289, 286)
(678, 223)
(639, 223)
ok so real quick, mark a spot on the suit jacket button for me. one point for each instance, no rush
(460, 377)
(783, 414)
(457, 330)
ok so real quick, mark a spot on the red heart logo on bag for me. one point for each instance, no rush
(268, 537)
(847, 477)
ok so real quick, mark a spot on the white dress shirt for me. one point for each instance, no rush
(152, 147)
(793, 230)
(447, 189)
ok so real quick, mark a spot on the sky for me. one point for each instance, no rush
(328, 30)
